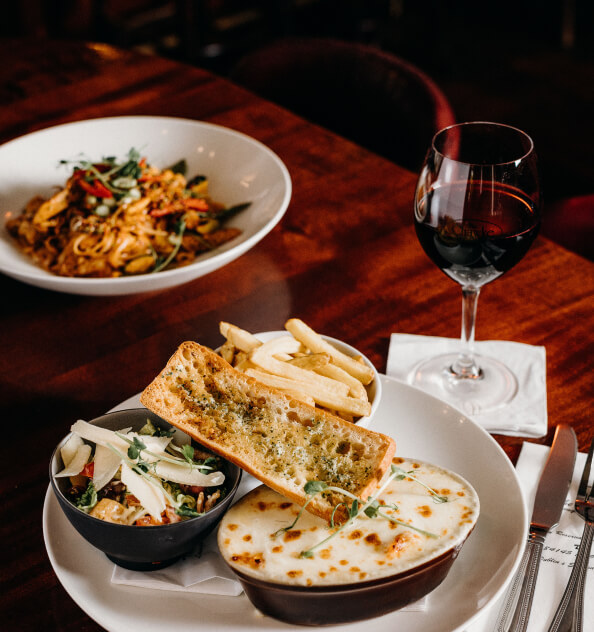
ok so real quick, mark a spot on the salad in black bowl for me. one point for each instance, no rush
(138, 489)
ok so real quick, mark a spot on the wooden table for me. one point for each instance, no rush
(345, 258)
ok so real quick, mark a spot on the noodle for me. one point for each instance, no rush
(113, 219)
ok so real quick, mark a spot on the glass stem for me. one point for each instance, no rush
(465, 366)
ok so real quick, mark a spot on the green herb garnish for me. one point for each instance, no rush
(371, 507)
(151, 430)
(88, 498)
(176, 238)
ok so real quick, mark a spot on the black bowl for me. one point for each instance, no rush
(133, 547)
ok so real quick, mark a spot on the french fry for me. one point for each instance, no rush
(227, 351)
(317, 344)
(313, 361)
(265, 361)
(356, 389)
(321, 395)
(283, 345)
(303, 365)
(287, 386)
(240, 338)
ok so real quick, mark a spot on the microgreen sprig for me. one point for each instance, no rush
(371, 507)
(138, 469)
(402, 474)
(137, 446)
(176, 238)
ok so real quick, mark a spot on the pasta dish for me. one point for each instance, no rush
(116, 218)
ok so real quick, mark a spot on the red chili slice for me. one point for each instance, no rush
(88, 469)
(96, 188)
(166, 210)
(197, 204)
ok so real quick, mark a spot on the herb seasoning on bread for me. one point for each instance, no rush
(281, 441)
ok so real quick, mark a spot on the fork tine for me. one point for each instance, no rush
(583, 488)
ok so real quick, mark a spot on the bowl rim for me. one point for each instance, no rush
(115, 526)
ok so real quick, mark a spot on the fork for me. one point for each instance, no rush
(570, 613)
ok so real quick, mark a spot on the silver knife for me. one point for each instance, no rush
(548, 505)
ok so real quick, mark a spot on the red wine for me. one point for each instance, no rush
(476, 231)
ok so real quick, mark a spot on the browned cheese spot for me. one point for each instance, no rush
(424, 510)
(355, 569)
(399, 544)
(398, 460)
(324, 554)
(247, 538)
(343, 562)
(285, 505)
(355, 535)
(277, 549)
(362, 575)
(373, 539)
(293, 534)
(294, 573)
(232, 527)
(254, 561)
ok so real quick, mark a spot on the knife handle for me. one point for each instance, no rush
(516, 610)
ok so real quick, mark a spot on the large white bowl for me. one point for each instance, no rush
(239, 168)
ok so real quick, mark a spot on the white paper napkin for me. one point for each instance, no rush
(559, 550)
(524, 416)
(203, 571)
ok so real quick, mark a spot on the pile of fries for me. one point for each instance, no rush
(303, 365)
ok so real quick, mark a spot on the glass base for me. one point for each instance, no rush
(493, 388)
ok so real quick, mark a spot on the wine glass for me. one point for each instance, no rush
(477, 211)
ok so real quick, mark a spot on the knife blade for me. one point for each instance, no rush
(548, 504)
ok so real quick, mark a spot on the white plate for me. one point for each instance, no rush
(423, 428)
(239, 168)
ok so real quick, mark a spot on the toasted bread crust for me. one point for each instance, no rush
(282, 442)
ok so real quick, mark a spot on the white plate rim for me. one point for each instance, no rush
(71, 570)
(39, 277)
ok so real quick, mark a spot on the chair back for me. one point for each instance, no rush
(367, 95)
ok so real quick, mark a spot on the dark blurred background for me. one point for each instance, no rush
(528, 63)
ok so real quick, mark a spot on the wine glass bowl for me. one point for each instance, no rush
(476, 214)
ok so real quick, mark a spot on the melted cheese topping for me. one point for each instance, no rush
(366, 549)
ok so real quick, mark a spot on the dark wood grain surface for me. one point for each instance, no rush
(345, 258)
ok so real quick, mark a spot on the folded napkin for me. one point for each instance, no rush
(524, 416)
(559, 550)
(203, 571)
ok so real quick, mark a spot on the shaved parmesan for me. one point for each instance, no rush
(100, 436)
(69, 449)
(156, 445)
(150, 496)
(106, 465)
(183, 474)
(78, 461)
